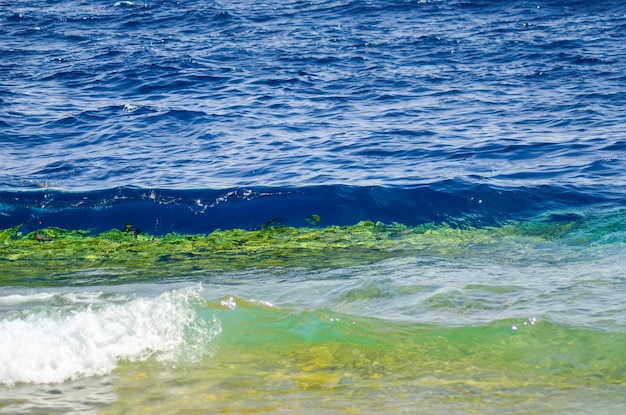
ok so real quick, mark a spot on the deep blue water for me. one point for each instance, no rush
(201, 211)
(400, 110)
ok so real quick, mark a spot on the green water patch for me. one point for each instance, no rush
(515, 349)
(268, 359)
(52, 255)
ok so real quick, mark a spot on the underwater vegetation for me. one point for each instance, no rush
(52, 254)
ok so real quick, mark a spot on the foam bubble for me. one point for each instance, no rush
(73, 341)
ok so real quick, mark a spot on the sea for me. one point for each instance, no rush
(312, 207)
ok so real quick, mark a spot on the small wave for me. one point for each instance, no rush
(83, 338)
(161, 211)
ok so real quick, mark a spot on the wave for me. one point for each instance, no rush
(162, 211)
(133, 235)
(82, 334)
(90, 333)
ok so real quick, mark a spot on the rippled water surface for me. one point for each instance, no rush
(196, 94)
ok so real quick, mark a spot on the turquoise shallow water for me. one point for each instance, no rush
(320, 341)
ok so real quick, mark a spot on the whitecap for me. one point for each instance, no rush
(130, 108)
(74, 341)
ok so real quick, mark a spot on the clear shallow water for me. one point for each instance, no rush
(488, 136)
(439, 335)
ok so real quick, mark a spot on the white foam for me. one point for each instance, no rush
(15, 299)
(75, 341)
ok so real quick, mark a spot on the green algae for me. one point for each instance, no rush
(54, 254)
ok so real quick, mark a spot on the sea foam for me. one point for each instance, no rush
(56, 343)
